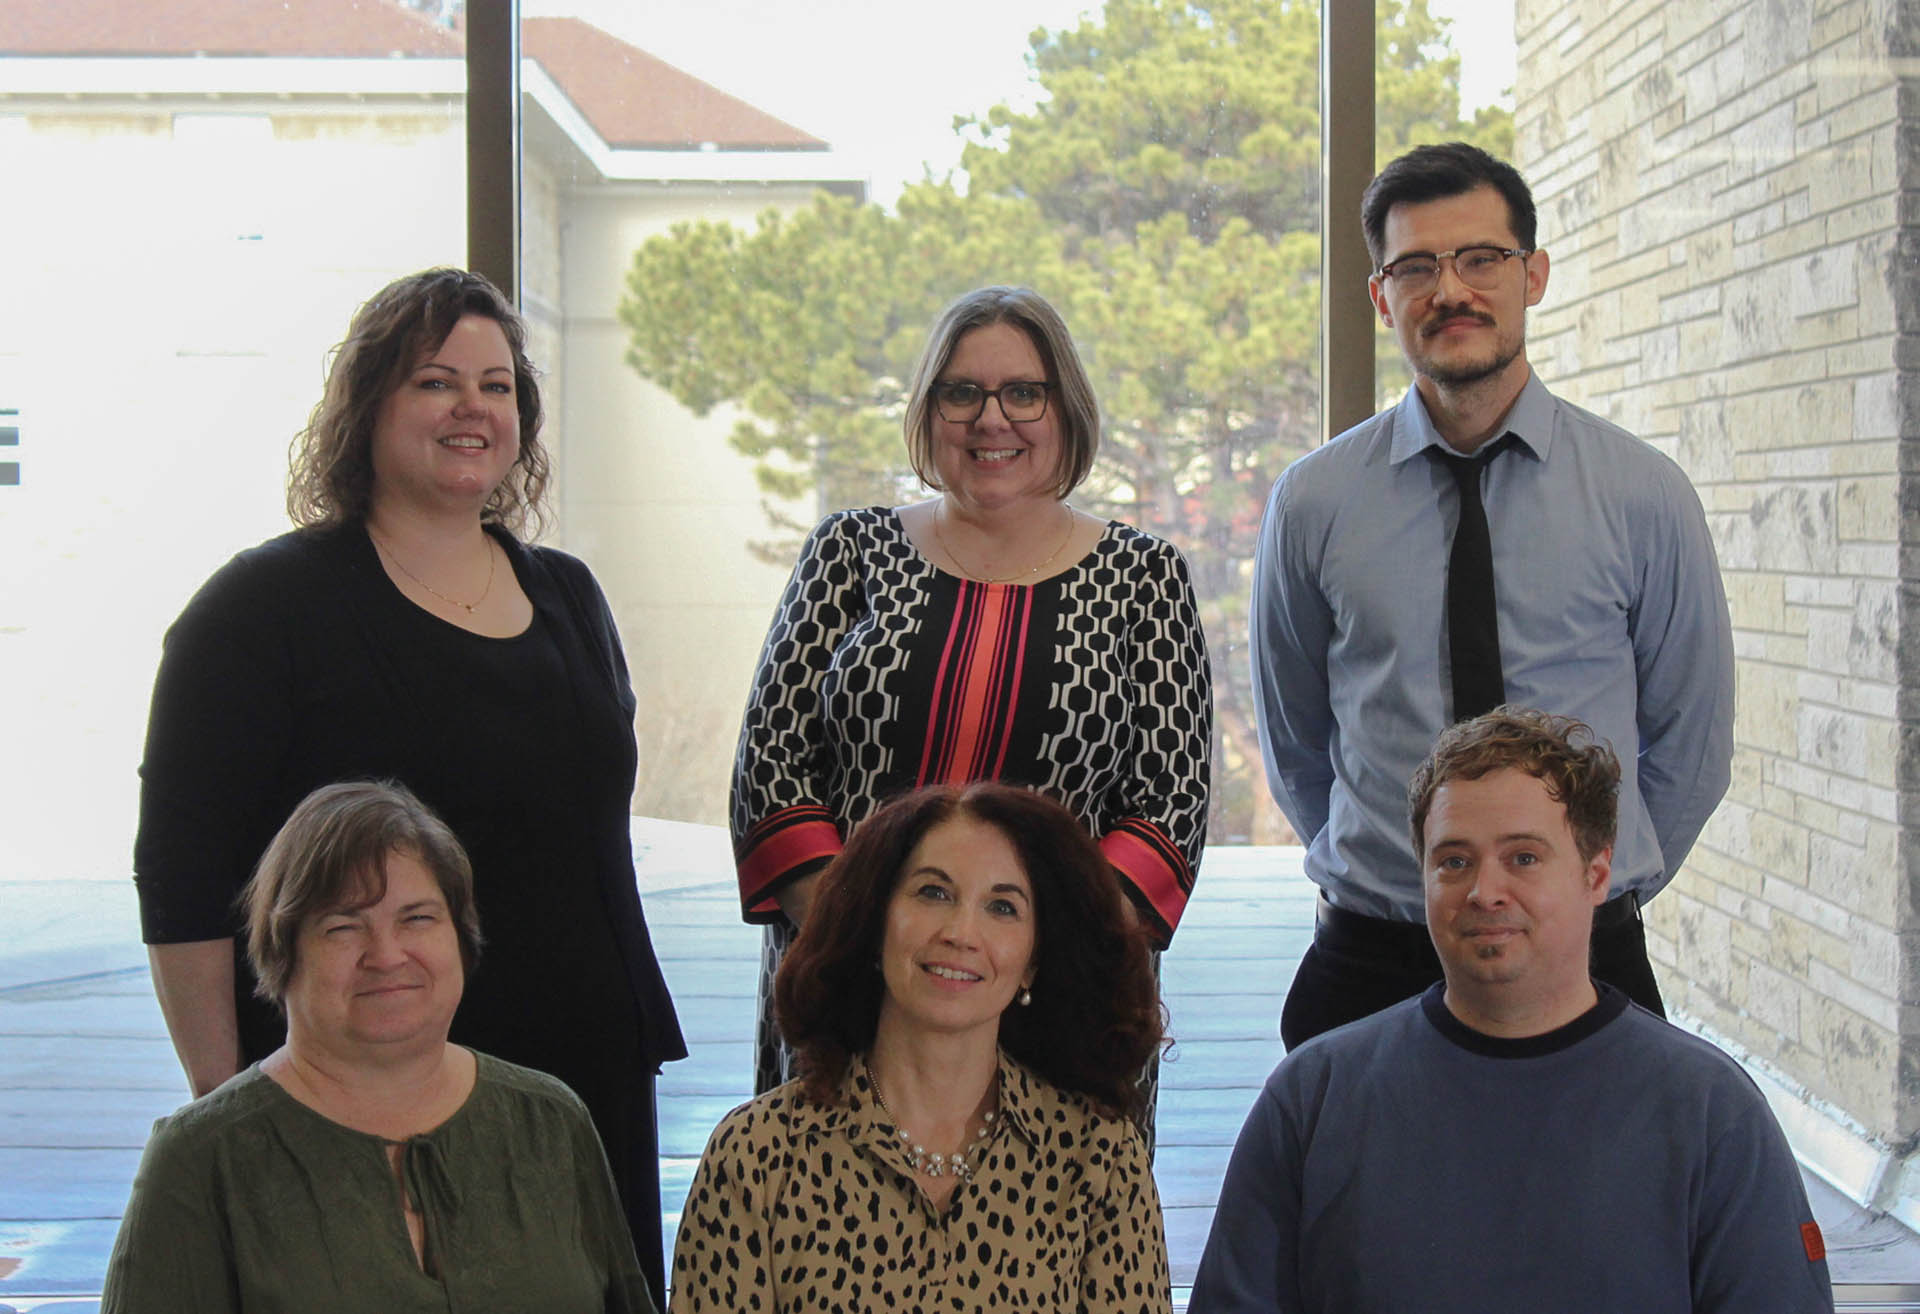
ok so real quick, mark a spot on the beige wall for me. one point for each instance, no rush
(659, 504)
(1718, 183)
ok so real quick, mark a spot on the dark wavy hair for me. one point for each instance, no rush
(1070, 398)
(1432, 173)
(330, 466)
(1095, 1019)
(1581, 773)
(332, 853)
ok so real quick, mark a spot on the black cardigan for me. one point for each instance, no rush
(298, 663)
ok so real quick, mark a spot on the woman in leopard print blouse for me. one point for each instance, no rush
(961, 1136)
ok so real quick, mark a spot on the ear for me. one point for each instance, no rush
(1536, 277)
(1600, 875)
(1377, 293)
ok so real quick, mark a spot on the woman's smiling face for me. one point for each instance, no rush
(961, 931)
(991, 462)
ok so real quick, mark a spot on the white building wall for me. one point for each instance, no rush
(173, 278)
(660, 505)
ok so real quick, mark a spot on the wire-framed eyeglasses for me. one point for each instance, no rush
(1022, 401)
(1479, 267)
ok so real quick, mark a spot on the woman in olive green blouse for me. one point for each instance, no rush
(368, 1165)
(971, 1007)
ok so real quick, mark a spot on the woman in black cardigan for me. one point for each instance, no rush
(405, 632)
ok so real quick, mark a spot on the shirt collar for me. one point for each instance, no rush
(859, 1116)
(1530, 419)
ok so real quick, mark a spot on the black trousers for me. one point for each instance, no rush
(1357, 966)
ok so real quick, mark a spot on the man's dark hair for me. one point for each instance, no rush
(1431, 173)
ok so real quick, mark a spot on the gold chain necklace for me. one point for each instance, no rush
(468, 607)
(979, 578)
(959, 1164)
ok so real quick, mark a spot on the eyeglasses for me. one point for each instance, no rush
(1479, 267)
(1022, 401)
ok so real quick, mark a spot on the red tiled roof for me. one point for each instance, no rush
(313, 28)
(631, 98)
(636, 100)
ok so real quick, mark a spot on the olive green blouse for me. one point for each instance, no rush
(797, 1207)
(248, 1200)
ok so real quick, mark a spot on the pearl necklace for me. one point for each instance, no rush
(959, 1164)
(975, 575)
(467, 607)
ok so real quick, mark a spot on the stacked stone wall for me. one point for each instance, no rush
(1726, 190)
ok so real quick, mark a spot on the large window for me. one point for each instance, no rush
(729, 253)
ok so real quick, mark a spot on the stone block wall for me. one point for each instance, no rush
(1727, 189)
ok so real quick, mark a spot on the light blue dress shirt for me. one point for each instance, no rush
(1611, 610)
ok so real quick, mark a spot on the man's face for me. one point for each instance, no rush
(1454, 334)
(1509, 899)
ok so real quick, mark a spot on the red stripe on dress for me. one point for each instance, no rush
(963, 603)
(977, 686)
(973, 701)
(1018, 651)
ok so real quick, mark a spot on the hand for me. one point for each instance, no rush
(797, 898)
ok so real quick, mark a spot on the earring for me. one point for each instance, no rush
(1026, 997)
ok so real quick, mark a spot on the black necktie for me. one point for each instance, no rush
(1473, 624)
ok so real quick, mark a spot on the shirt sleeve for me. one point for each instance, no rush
(607, 1238)
(1252, 1258)
(1125, 1266)
(217, 736)
(172, 1252)
(1683, 661)
(782, 827)
(1755, 1242)
(1288, 634)
(1159, 809)
(723, 1255)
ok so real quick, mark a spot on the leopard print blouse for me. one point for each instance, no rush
(797, 1207)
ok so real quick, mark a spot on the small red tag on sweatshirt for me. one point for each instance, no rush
(1815, 1243)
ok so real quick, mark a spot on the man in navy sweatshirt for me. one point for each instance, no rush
(1518, 1137)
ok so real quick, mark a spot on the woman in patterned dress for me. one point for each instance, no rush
(970, 1005)
(993, 632)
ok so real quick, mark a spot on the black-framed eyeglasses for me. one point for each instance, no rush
(1479, 267)
(1022, 401)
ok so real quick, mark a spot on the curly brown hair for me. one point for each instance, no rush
(1581, 773)
(1095, 1018)
(330, 465)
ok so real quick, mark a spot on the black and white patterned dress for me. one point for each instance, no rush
(882, 673)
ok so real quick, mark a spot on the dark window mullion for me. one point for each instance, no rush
(493, 142)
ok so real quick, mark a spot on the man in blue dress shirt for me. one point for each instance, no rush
(1601, 599)
(1518, 1137)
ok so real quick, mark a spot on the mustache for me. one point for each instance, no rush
(1440, 322)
